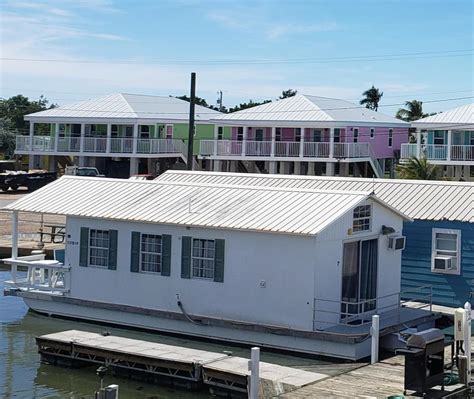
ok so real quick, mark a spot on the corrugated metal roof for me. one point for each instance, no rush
(418, 199)
(460, 116)
(264, 209)
(305, 108)
(127, 106)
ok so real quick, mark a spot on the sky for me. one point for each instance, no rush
(72, 50)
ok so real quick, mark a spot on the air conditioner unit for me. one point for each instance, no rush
(444, 263)
(396, 243)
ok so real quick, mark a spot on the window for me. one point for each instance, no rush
(356, 135)
(169, 131)
(446, 251)
(472, 138)
(361, 220)
(144, 131)
(150, 253)
(438, 137)
(220, 133)
(114, 131)
(240, 134)
(297, 135)
(61, 129)
(99, 248)
(203, 255)
(317, 136)
(390, 137)
(278, 134)
(337, 135)
(372, 132)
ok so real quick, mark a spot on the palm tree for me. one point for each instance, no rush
(419, 169)
(412, 112)
(372, 98)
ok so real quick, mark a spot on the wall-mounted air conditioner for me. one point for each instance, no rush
(444, 262)
(396, 242)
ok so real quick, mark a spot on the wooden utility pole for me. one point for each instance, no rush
(192, 102)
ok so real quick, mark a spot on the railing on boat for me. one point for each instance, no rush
(328, 313)
(41, 274)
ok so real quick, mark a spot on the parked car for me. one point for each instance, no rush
(83, 171)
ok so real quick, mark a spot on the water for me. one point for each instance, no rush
(23, 376)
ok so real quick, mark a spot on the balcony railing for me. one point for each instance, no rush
(439, 152)
(100, 145)
(284, 149)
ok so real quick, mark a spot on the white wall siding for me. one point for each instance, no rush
(283, 262)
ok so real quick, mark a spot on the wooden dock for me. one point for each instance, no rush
(159, 363)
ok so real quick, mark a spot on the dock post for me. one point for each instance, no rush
(254, 368)
(467, 340)
(374, 332)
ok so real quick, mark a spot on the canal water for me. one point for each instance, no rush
(23, 376)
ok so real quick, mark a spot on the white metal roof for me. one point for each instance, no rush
(126, 106)
(305, 108)
(460, 117)
(418, 199)
(263, 209)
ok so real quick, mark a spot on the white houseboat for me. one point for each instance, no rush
(294, 269)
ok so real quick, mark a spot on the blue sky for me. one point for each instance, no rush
(150, 47)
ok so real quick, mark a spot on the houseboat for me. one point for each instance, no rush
(447, 140)
(439, 247)
(119, 134)
(306, 135)
(297, 269)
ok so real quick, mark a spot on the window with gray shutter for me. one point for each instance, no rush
(186, 257)
(166, 255)
(84, 247)
(135, 252)
(219, 261)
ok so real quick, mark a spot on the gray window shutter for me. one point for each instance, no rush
(165, 255)
(84, 247)
(186, 257)
(219, 261)
(135, 254)
(113, 249)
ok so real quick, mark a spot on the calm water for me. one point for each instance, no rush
(23, 376)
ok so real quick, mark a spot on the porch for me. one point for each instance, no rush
(440, 153)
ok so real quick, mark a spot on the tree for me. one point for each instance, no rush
(288, 93)
(412, 112)
(372, 98)
(13, 110)
(198, 101)
(418, 168)
(250, 104)
(7, 143)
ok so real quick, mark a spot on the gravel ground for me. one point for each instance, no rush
(29, 223)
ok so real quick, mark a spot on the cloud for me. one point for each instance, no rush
(253, 20)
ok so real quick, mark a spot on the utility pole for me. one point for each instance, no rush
(192, 101)
(219, 100)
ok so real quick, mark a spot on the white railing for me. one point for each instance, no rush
(43, 143)
(95, 144)
(462, 152)
(41, 274)
(408, 151)
(69, 144)
(285, 149)
(23, 143)
(121, 145)
(160, 146)
(316, 150)
(439, 152)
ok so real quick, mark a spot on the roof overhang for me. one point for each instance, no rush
(442, 126)
(306, 124)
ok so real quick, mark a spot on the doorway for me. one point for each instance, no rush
(359, 277)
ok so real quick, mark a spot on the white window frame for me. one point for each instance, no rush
(220, 132)
(317, 134)
(94, 247)
(297, 135)
(143, 254)
(278, 134)
(362, 218)
(372, 132)
(390, 137)
(435, 252)
(203, 259)
(443, 138)
(169, 131)
(240, 133)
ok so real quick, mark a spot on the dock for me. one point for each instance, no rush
(168, 364)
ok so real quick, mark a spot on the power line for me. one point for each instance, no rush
(245, 110)
(380, 57)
